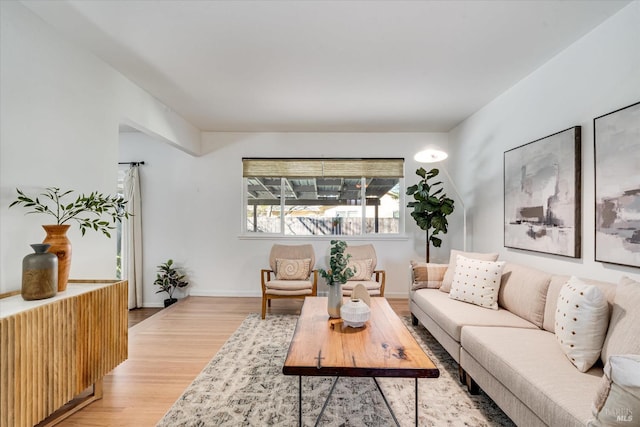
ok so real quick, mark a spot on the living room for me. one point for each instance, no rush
(63, 108)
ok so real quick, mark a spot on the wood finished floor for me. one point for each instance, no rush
(167, 351)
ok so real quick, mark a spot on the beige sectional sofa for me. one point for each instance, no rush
(512, 353)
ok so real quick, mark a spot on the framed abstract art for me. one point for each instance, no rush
(542, 195)
(616, 138)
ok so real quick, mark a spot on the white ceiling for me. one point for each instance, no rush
(325, 65)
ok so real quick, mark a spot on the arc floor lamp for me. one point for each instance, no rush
(435, 156)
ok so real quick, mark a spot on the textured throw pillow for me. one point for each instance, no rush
(477, 282)
(625, 321)
(361, 268)
(448, 276)
(617, 402)
(427, 275)
(581, 322)
(292, 269)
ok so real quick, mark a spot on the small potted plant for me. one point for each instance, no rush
(168, 280)
(337, 275)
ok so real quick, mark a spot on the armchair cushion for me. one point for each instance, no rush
(363, 269)
(291, 252)
(363, 252)
(289, 285)
(292, 269)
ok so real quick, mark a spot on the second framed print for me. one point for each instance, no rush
(542, 195)
(617, 170)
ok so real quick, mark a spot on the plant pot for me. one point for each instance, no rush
(335, 300)
(61, 247)
(170, 301)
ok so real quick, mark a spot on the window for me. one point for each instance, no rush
(306, 197)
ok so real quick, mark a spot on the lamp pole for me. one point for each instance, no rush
(464, 210)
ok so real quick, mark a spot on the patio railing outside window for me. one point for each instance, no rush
(307, 197)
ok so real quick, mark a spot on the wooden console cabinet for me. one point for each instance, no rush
(53, 350)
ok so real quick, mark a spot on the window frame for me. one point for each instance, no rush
(400, 235)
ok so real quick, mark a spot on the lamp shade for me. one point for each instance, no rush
(430, 156)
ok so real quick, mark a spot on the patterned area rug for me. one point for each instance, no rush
(243, 385)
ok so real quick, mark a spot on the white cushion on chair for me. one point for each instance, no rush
(289, 293)
(289, 285)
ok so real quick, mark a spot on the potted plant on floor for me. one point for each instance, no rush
(336, 276)
(431, 206)
(168, 280)
(86, 210)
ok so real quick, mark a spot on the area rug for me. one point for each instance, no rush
(243, 385)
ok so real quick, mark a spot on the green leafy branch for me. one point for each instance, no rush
(87, 211)
(338, 271)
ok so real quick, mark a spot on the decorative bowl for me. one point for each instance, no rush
(355, 313)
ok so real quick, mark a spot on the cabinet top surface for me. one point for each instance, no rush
(16, 304)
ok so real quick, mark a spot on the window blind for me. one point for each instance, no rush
(339, 168)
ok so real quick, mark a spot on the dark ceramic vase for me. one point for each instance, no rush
(39, 274)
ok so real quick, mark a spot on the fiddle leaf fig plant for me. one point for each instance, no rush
(87, 211)
(430, 206)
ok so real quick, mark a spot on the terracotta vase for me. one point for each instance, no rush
(61, 247)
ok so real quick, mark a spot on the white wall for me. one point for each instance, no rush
(60, 108)
(193, 206)
(598, 74)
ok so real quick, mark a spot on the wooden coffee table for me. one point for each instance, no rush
(384, 347)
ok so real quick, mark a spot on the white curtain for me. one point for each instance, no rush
(132, 238)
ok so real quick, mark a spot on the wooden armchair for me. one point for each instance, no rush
(364, 259)
(291, 274)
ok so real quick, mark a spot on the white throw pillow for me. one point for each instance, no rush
(582, 317)
(292, 269)
(477, 282)
(617, 402)
(361, 268)
(453, 258)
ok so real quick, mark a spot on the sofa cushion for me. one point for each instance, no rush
(452, 315)
(581, 322)
(477, 282)
(530, 363)
(523, 291)
(557, 281)
(427, 275)
(623, 336)
(618, 398)
(453, 258)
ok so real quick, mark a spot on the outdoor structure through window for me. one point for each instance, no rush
(305, 197)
